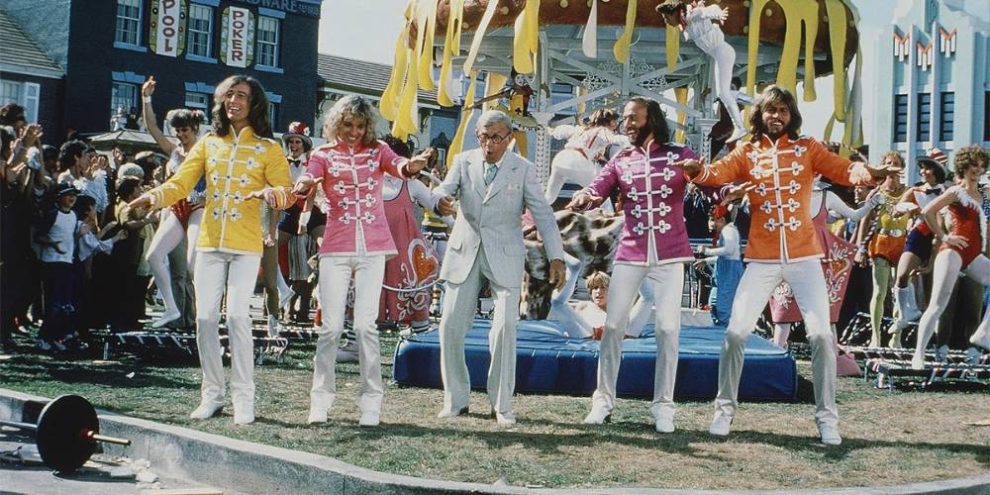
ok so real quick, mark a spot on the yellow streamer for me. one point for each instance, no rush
(479, 34)
(389, 104)
(673, 46)
(621, 48)
(457, 144)
(450, 48)
(494, 83)
(837, 27)
(424, 44)
(526, 42)
(753, 48)
(681, 94)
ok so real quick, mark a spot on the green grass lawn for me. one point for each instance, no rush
(889, 437)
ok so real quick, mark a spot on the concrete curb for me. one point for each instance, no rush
(254, 468)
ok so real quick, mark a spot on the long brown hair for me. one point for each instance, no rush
(656, 121)
(771, 95)
(257, 113)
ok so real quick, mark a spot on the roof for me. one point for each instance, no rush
(358, 76)
(21, 54)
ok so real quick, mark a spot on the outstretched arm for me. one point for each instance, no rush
(148, 89)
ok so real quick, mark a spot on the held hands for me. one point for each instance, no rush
(266, 193)
(737, 192)
(446, 206)
(304, 186)
(148, 88)
(690, 166)
(558, 273)
(583, 201)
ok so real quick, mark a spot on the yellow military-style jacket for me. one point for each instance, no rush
(233, 167)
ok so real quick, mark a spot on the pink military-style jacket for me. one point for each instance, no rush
(352, 183)
(652, 191)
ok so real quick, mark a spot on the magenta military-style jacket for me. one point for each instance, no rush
(652, 192)
(352, 183)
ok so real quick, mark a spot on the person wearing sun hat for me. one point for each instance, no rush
(918, 247)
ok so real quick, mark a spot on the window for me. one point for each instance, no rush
(123, 99)
(900, 118)
(947, 116)
(200, 30)
(198, 100)
(268, 41)
(924, 117)
(24, 94)
(273, 115)
(128, 22)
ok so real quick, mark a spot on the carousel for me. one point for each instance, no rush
(604, 51)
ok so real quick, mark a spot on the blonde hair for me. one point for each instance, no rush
(356, 107)
(598, 280)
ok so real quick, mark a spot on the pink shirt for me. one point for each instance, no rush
(352, 183)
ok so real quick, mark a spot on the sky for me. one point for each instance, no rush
(367, 29)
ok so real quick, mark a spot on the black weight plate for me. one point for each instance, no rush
(61, 442)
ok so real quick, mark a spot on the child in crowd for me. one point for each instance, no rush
(726, 256)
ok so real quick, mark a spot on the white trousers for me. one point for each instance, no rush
(808, 284)
(336, 273)
(667, 281)
(569, 166)
(724, 56)
(459, 305)
(168, 236)
(235, 273)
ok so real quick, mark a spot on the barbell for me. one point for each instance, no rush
(66, 433)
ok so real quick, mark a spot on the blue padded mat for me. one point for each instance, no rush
(548, 362)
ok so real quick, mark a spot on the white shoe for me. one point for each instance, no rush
(665, 422)
(829, 434)
(453, 413)
(243, 415)
(505, 419)
(206, 410)
(737, 134)
(720, 425)
(273, 326)
(166, 318)
(598, 415)
(369, 418)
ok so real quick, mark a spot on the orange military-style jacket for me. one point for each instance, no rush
(783, 172)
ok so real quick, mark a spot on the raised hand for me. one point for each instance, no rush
(690, 166)
(736, 192)
(419, 162)
(143, 201)
(148, 88)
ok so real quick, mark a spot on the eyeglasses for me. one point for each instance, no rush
(492, 138)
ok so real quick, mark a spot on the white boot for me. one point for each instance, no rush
(907, 304)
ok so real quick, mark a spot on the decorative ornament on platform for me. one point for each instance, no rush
(924, 55)
(168, 27)
(948, 42)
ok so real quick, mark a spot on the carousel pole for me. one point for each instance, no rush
(542, 158)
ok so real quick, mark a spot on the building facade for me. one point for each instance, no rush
(108, 48)
(29, 77)
(935, 83)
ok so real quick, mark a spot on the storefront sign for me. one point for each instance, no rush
(308, 8)
(237, 37)
(168, 27)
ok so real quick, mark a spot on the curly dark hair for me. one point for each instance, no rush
(771, 95)
(11, 113)
(184, 117)
(257, 113)
(656, 121)
(969, 157)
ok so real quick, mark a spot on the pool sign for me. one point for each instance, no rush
(168, 27)
(237, 37)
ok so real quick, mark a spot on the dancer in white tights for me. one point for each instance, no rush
(695, 20)
(184, 217)
(962, 248)
(577, 163)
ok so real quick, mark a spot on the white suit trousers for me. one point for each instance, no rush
(808, 284)
(335, 281)
(237, 273)
(459, 305)
(667, 282)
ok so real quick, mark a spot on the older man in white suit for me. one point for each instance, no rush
(492, 187)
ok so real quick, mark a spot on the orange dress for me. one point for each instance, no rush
(891, 232)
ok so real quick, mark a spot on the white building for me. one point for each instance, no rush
(932, 76)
